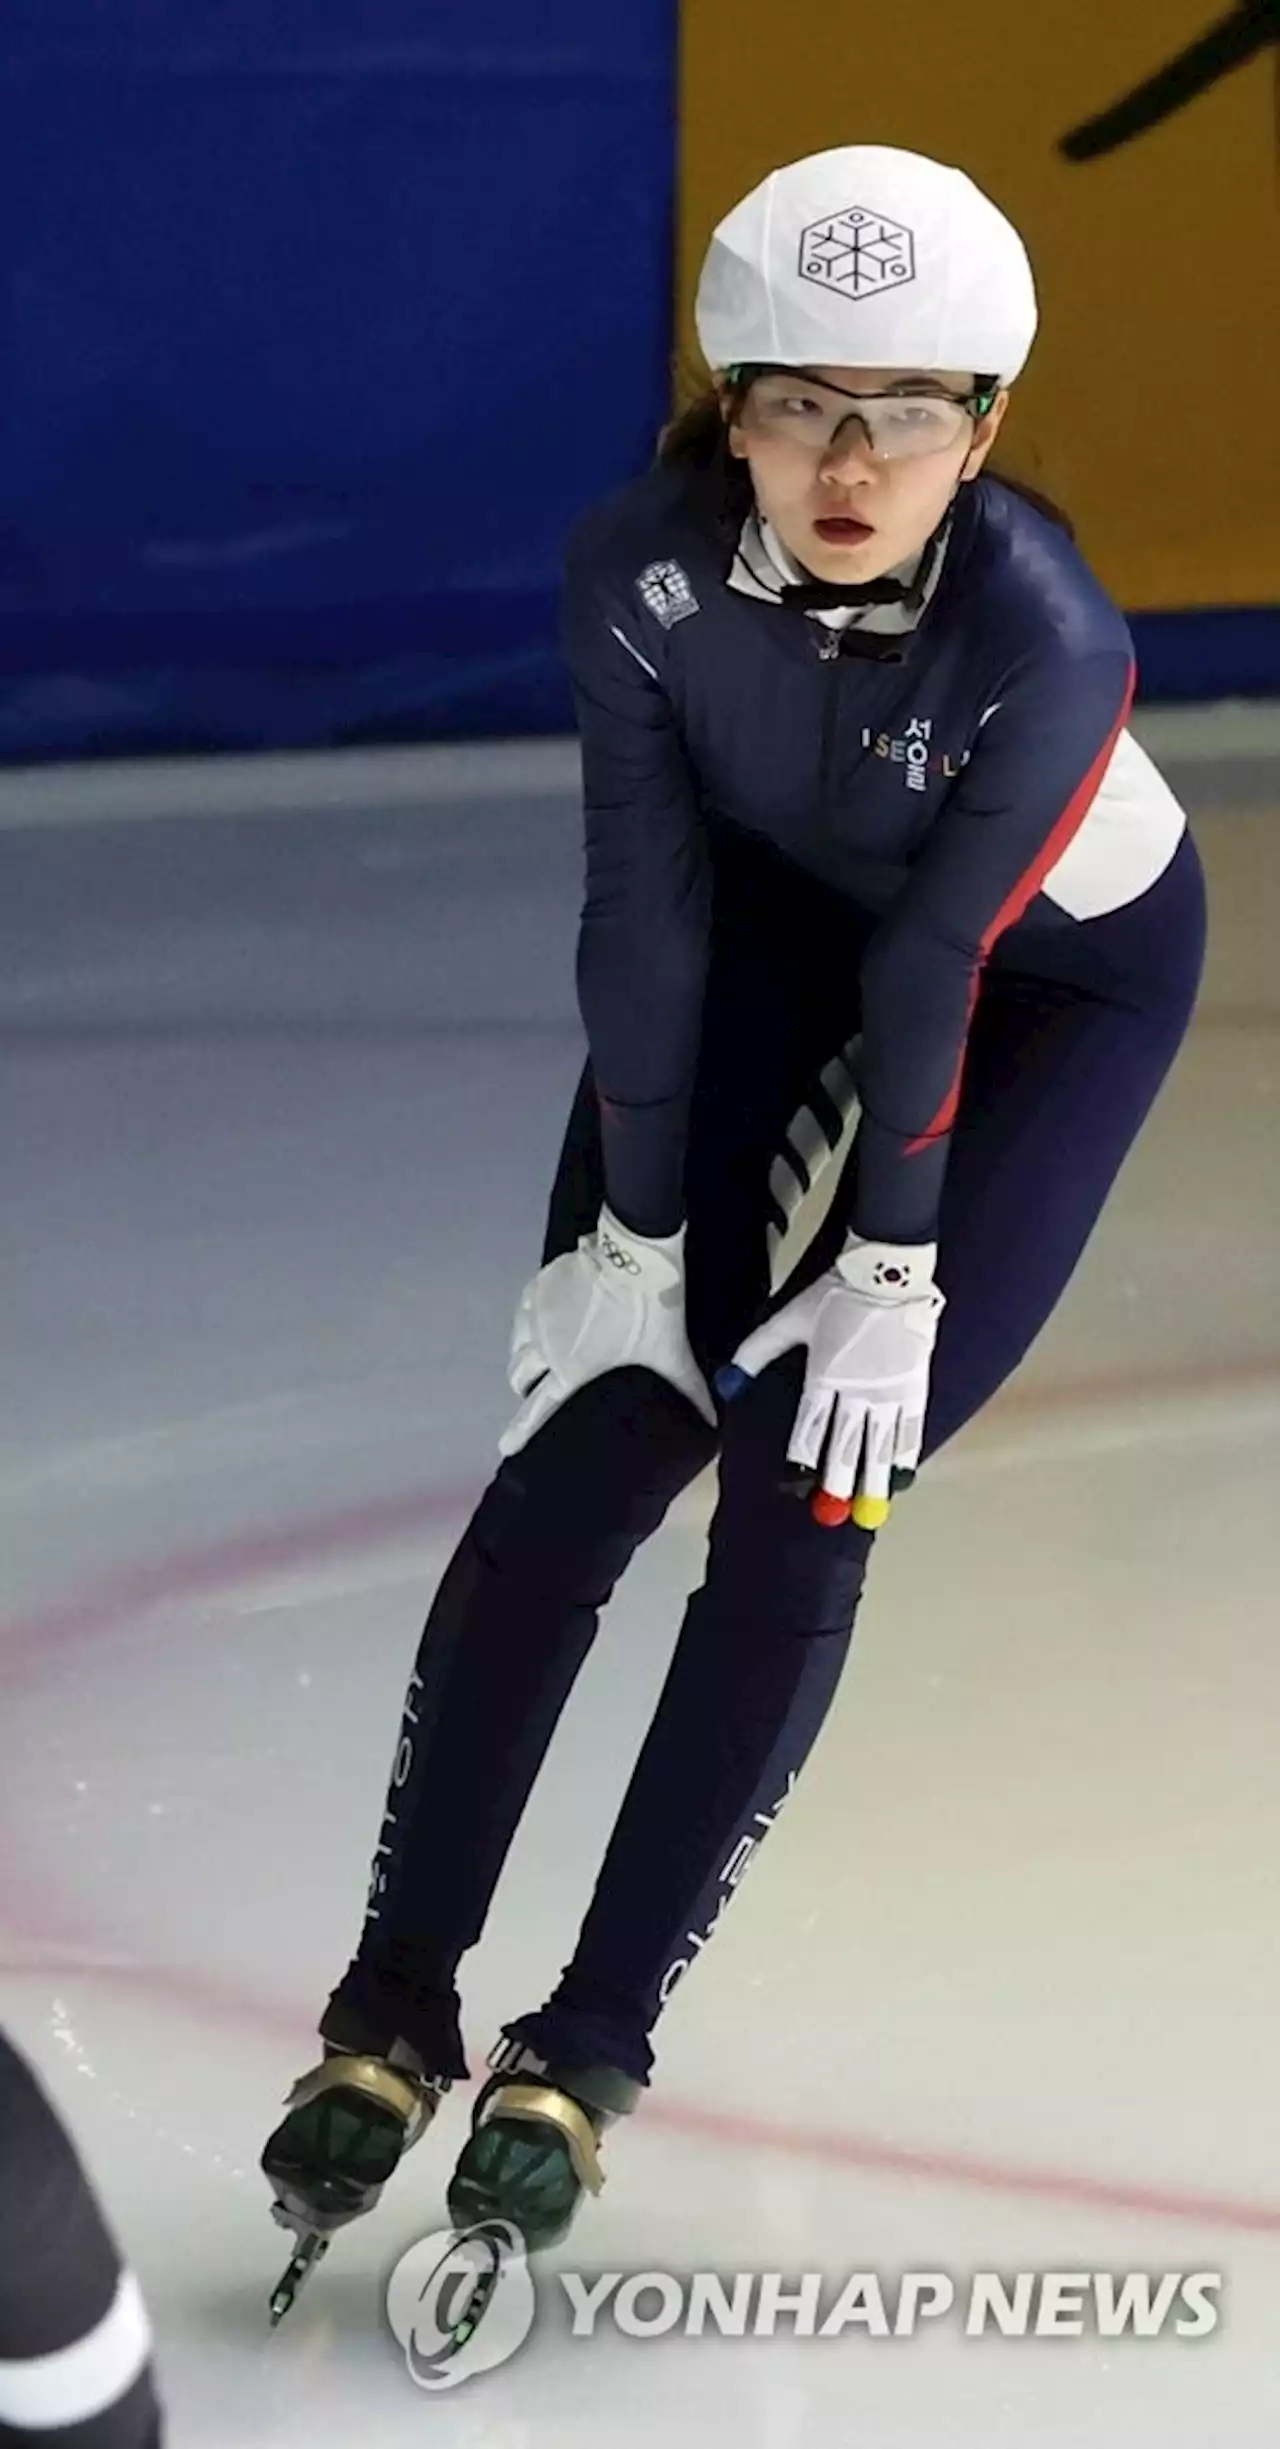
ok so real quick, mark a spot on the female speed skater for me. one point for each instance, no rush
(857, 775)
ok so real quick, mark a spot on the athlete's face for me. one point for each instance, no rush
(849, 503)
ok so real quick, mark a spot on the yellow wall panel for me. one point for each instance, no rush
(1151, 405)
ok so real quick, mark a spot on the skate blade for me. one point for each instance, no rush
(479, 2298)
(310, 2254)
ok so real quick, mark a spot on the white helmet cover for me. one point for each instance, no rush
(868, 256)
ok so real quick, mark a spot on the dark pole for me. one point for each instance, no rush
(1226, 46)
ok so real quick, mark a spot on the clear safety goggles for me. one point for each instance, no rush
(895, 424)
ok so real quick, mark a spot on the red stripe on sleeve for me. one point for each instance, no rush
(1023, 893)
(1068, 824)
(946, 1114)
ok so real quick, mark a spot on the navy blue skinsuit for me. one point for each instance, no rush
(945, 842)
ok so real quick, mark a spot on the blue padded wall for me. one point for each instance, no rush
(322, 321)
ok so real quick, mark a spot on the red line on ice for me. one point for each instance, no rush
(49, 1948)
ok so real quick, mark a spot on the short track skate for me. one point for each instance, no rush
(533, 2153)
(350, 2122)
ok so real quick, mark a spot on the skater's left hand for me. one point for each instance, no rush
(869, 1325)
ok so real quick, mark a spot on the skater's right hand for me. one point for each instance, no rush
(616, 1302)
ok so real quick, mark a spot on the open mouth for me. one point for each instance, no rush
(842, 531)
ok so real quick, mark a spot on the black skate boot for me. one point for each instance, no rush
(350, 2121)
(534, 2147)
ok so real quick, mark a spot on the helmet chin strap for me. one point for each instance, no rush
(838, 595)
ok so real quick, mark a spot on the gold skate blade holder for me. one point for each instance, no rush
(539, 2104)
(415, 2104)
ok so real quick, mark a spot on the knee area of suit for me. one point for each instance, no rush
(803, 1581)
(803, 1603)
(568, 1513)
(765, 1532)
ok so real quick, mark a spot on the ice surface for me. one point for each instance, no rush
(280, 1103)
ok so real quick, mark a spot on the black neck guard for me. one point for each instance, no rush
(837, 595)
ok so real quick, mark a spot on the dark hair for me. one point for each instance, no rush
(697, 437)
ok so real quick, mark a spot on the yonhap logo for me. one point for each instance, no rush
(461, 2302)
(666, 592)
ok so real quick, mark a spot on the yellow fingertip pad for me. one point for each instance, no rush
(871, 1513)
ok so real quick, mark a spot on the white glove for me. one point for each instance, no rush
(869, 1324)
(615, 1302)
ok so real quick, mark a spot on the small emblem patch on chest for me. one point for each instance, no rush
(665, 591)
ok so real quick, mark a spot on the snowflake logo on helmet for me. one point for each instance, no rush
(859, 253)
